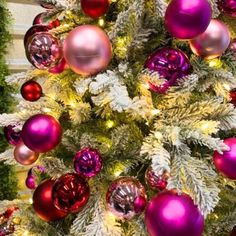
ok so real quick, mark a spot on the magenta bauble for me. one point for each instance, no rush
(41, 133)
(59, 68)
(13, 137)
(172, 214)
(226, 163)
(187, 19)
(228, 7)
(32, 179)
(87, 50)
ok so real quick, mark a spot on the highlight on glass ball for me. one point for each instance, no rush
(31, 91)
(228, 7)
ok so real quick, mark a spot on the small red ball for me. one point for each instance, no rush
(94, 8)
(31, 91)
(233, 97)
(43, 203)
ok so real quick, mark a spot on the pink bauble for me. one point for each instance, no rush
(226, 163)
(59, 68)
(87, 50)
(213, 42)
(41, 133)
(186, 19)
(171, 214)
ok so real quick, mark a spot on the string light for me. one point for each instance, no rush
(215, 63)
(155, 112)
(101, 22)
(227, 87)
(110, 124)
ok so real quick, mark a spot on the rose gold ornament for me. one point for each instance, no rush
(213, 42)
(24, 155)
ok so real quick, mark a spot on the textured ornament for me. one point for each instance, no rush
(88, 162)
(41, 133)
(43, 203)
(228, 7)
(13, 137)
(170, 214)
(155, 182)
(213, 42)
(32, 177)
(94, 8)
(24, 155)
(187, 19)
(126, 198)
(87, 50)
(70, 193)
(171, 64)
(31, 91)
(226, 163)
(59, 68)
(44, 50)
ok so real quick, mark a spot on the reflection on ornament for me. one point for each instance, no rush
(228, 7)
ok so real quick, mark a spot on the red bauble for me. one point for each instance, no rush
(31, 91)
(70, 193)
(43, 203)
(59, 68)
(233, 97)
(39, 20)
(94, 8)
(233, 232)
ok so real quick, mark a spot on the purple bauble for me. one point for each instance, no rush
(171, 214)
(30, 182)
(13, 137)
(88, 162)
(186, 19)
(171, 64)
(41, 133)
(228, 6)
(226, 163)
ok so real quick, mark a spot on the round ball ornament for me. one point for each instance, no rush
(233, 232)
(232, 47)
(39, 20)
(24, 155)
(31, 91)
(213, 42)
(70, 193)
(94, 8)
(88, 162)
(226, 163)
(228, 7)
(41, 133)
(43, 203)
(59, 68)
(126, 198)
(232, 95)
(169, 213)
(171, 64)
(32, 179)
(187, 19)
(87, 50)
(13, 137)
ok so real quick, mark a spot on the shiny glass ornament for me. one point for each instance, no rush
(232, 47)
(232, 95)
(13, 137)
(31, 91)
(39, 20)
(58, 68)
(228, 7)
(31, 181)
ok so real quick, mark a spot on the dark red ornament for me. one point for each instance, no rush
(13, 137)
(70, 193)
(233, 97)
(31, 91)
(228, 7)
(38, 20)
(43, 203)
(94, 8)
(233, 232)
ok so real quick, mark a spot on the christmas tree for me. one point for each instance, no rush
(126, 120)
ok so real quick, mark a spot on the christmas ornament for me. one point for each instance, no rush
(45, 4)
(187, 19)
(13, 137)
(226, 163)
(232, 47)
(59, 68)
(32, 177)
(126, 197)
(232, 95)
(88, 162)
(43, 50)
(154, 181)
(233, 233)
(31, 91)
(24, 155)
(213, 42)
(39, 20)
(41, 133)
(171, 64)
(94, 8)
(87, 50)
(228, 7)
(43, 203)
(70, 193)
(169, 213)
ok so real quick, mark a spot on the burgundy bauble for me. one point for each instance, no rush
(31, 91)
(171, 214)
(126, 198)
(94, 8)
(88, 162)
(41, 133)
(226, 163)
(43, 203)
(187, 19)
(233, 232)
(39, 20)
(171, 64)
(228, 7)
(13, 137)
(59, 68)
(232, 95)
(70, 193)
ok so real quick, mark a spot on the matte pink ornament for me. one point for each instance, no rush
(87, 50)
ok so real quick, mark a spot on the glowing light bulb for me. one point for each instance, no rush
(101, 22)
(110, 124)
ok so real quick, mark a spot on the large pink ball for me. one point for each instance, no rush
(41, 133)
(170, 214)
(186, 19)
(226, 163)
(87, 50)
